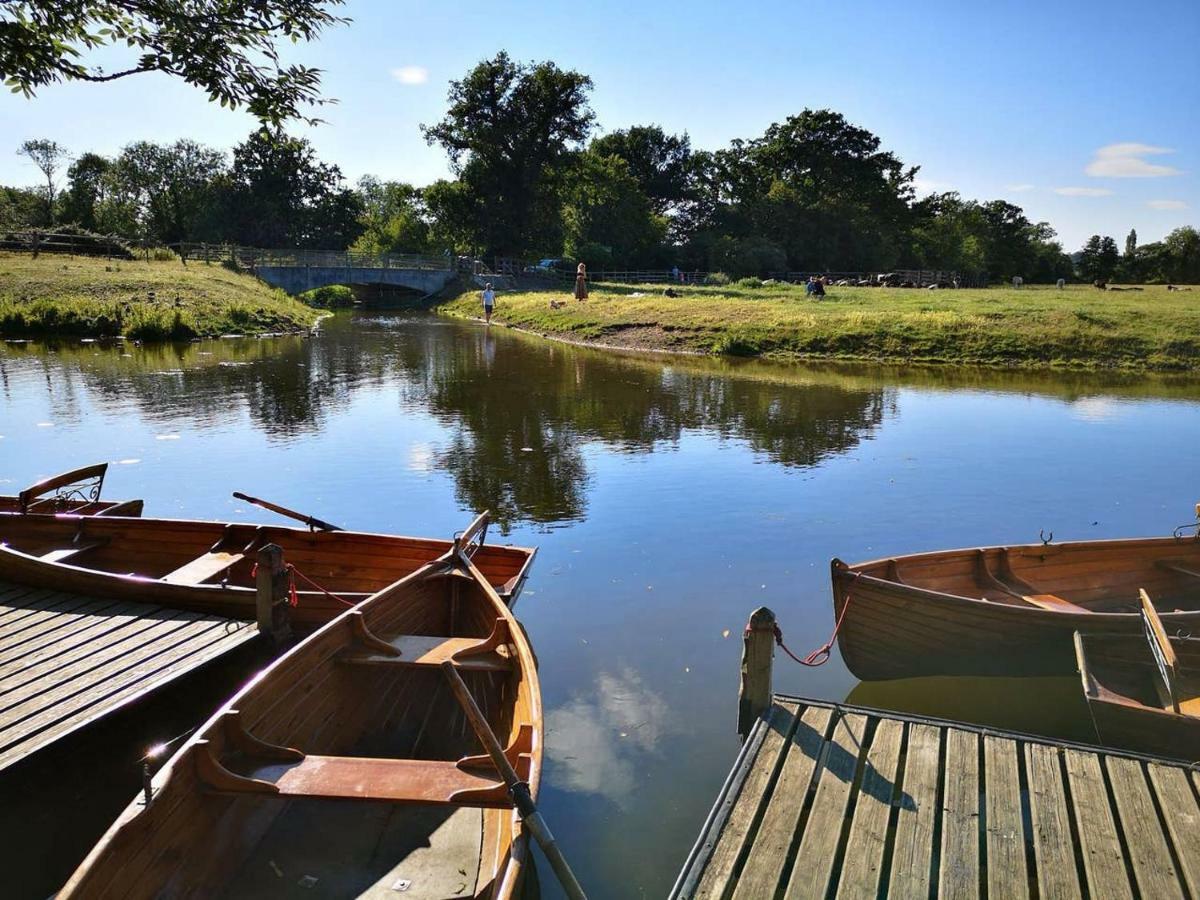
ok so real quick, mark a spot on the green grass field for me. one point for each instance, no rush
(56, 296)
(1078, 327)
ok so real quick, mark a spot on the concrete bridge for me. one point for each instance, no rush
(297, 271)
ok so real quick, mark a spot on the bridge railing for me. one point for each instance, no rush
(256, 257)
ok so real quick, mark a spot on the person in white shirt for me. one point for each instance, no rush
(489, 300)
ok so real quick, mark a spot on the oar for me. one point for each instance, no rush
(517, 789)
(310, 521)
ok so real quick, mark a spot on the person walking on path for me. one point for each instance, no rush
(581, 292)
(489, 301)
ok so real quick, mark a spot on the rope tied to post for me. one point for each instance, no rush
(294, 595)
(821, 655)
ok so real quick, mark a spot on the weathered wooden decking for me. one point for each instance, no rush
(66, 660)
(831, 800)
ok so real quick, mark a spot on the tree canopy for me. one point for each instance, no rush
(229, 50)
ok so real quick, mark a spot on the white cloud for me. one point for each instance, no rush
(411, 74)
(1019, 188)
(1125, 161)
(1166, 204)
(1082, 192)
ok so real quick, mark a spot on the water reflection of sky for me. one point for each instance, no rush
(668, 500)
(594, 739)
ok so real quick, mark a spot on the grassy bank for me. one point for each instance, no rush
(55, 296)
(1078, 327)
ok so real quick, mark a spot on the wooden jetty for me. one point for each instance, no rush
(67, 660)
(827, 799)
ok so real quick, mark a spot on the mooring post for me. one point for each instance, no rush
(271, 599)
(758, 651)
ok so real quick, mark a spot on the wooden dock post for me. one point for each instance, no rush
(758, 651)
(271, 600)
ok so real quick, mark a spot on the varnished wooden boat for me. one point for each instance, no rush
(347, 768)
(77, 491)
(1006, 610)
(1143, 691)
(210, 566)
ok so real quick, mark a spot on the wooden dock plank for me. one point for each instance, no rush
(813, 871)
(912, 856)
(1152, 864)
(1103, 859)
(112, 694)
(958, 875)
(867, 844)
(55, 645)
(1053, 850)
(1178, 803)
(928, 808)
(71, 659)
(768, 856)
(1005, 841)
(719, 874)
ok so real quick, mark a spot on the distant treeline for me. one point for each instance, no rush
(532, 179)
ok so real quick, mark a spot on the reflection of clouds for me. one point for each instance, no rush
(1096, 409)
(593, 738)
(420, 458)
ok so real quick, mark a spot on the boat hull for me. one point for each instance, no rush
(909, 617)
(132, 559)
(1127, 695)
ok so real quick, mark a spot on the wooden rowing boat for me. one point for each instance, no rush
(77, 491)
(347, 768)
(1006, 610)
(1143, 691)
(209, 567)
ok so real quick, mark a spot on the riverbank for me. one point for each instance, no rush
(57, 296)
(1080, 327)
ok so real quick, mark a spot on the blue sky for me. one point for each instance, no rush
(1010, 99)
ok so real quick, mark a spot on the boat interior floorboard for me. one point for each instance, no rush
(322, 848)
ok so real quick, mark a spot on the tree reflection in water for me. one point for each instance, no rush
(520, 412)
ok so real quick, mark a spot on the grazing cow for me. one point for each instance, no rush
(1018, 281)
(1061, 283)
(1100, 284)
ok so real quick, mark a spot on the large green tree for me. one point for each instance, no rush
(660, 163)
(509, 132)
(393, 219)
(819, 187)
(228, 48)
(607, 219)
(172, 186)
(88, 181)
(281, 195)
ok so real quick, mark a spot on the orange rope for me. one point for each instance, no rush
(293, 597)
(820, 656)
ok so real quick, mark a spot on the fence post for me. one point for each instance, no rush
(758, 651)
(271, 596)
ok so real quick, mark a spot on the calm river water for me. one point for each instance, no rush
(669, 497)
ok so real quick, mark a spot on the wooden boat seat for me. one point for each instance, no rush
(202, 568)
(1007, 582)
(65, 553)
(271, 770)
(1055, 603)
(488, 654)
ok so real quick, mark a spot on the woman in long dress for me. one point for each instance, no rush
(581, 282)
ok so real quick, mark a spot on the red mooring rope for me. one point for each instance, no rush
(293, 595)
(820, 656)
